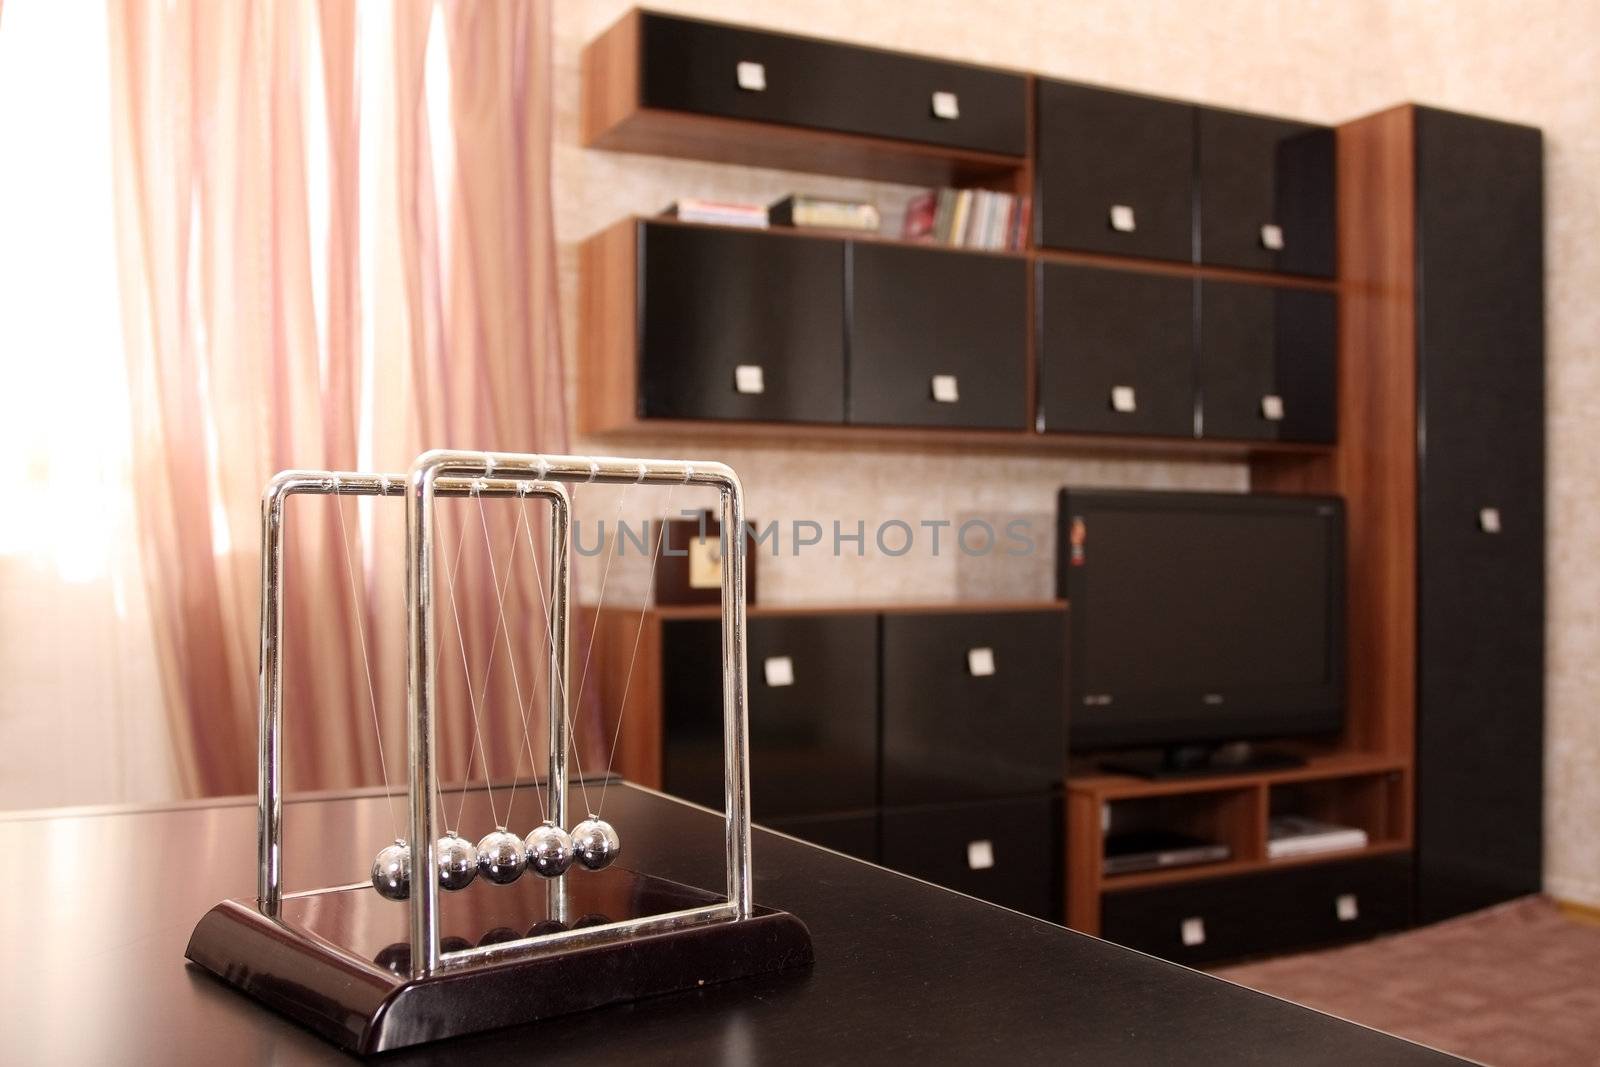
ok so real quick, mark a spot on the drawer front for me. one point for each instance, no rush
(1007, 852)
(974, 705)
(1100, 151)
(813, 713)
(1210, 920)
(1116, 351)
(1266, 193)
(855, 834)
(714, 301)
(1268, 363)
(937, 338)
(696, 66)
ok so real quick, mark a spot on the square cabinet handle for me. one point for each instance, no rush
(945, 388)
(1272, 407)
(1192, 932)
(1272, 237)
(980, 855)
(779, 671)
(752, 77)
(1122, 218)
(980, 662)
(1489, 520)
(748, 379)
(1124, 400)
(1347, 907)
(946, 106)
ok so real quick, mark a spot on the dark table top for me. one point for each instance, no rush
(98, 906)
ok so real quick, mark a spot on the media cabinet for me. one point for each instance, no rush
(1396, 315)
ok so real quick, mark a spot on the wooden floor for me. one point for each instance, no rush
(1510, 986)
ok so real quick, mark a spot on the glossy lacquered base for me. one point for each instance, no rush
(337, 960)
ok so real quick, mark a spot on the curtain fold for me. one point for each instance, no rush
(266, 328)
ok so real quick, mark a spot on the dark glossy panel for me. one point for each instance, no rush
(1278, 911)
(1258, 341)
(1254, 171)
(813, 744)
(873, 931)
(1480, 725)
(692, 66)
(855, 834)
(1007, 852)
(1097, 148)
(916, 313)
(1101, 329)
(949, 735)
(710, 300)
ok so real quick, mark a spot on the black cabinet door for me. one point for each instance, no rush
(974, 705)
(937, 338)
(854, 834)
(1480, 551)
(1116, 351)
(1115, 172)
(715, 69)
(1266, 193)
(1215, 919)
(1268, 362)
(813, 713)
(1007, 852)
(713, 301)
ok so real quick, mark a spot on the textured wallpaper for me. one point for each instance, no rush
(1323, 61)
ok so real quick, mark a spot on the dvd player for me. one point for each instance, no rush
(1149, 850)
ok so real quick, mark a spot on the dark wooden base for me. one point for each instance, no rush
(337, 962)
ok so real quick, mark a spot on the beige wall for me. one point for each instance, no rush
(1325, 61)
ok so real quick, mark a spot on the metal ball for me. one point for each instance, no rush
(549, 850)
(501, 858)
(545, 926)
(391, 872)
(457, 860)
(595, 844)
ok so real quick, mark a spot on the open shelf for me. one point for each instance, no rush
(1176, 876)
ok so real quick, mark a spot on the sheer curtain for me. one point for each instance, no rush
(335, 249)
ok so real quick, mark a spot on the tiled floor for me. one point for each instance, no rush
(1511, 986)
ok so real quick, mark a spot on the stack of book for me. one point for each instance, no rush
(718, 213)
(1296, 835)
(818, 213)
(968, 218)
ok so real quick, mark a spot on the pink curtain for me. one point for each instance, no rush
(244, 333)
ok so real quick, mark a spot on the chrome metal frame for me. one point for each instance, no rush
(450, 473)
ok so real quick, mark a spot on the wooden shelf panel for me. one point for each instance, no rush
(1338, 765)
(1176, 875)
(757, 611)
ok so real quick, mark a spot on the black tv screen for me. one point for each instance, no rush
(1201, 617)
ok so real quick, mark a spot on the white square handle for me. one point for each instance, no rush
(946, 390)
(1272, 237)
(1347, 907)
(1489, 520)
(1122, 218)
(980, 855)
(980, 662)
(752, 77)
(779, 671)
(748, 379)
(1272, 407)
(1124, 400)
(1192, 932)
(946, 106)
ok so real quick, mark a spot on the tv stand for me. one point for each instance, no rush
(1194, 761)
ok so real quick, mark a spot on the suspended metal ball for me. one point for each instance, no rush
(501, 857)
(549, 850)
(457, 860)
(391, 872)
(594, 843)
(594, 918)
(545, 926)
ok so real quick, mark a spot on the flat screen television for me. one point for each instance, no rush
(1199, 619)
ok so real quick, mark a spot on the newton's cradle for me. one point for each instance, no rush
(539, 924)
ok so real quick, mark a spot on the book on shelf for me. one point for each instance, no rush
(717, 212)
(1298, 835)
(967, 218)
(819, 213)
